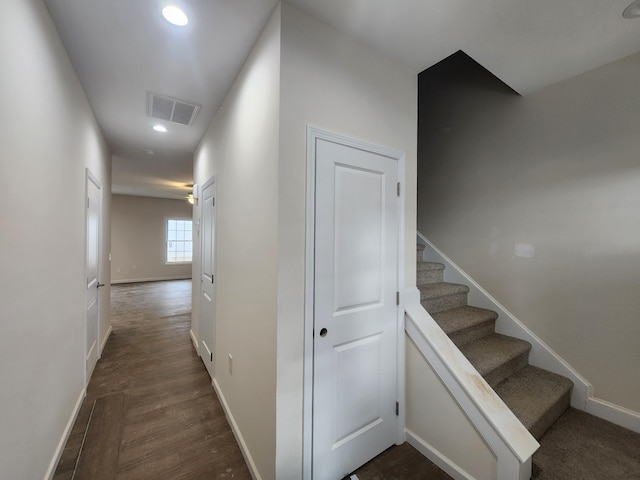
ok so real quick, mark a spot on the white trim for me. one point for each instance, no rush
(154, 279)
(313, 134)
(53, 464)
(253, 470)
(194, 340)
(433, 454)
(613, 413)
(541, 354)
(106, 338)
(495, 422)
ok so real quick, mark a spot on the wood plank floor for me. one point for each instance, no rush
(173, 426)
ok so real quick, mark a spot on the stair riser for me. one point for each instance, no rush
(507, 369)
(424, 276)
(439, 304)
(476, 332)
(552, 414)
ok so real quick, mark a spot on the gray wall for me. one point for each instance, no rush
(138, 236)
(537, 198)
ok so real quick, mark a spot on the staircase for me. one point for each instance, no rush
(536, 397)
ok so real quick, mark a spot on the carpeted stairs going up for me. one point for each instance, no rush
(536, 397)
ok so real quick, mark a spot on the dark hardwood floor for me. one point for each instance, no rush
(151, 412)
(173, 426)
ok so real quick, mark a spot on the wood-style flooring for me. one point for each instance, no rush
(173, 426)
(151, 412)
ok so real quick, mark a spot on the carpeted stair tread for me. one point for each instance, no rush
(429, 272)
(466, 324)
(496, 356)
(436, 297)
(537, 397)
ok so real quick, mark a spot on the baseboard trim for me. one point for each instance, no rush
(194, 340)
(105, 339)
(433, 454)
(154, 279)
(65, 436)
(253, 470)
(613, 413)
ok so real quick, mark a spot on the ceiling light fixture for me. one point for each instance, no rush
(160, 128)
(632, 11)
(175, 15)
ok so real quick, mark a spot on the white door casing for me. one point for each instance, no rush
(93, 225)
(355, 311)
(207, 279)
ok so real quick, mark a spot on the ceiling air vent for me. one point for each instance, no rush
(171, 109)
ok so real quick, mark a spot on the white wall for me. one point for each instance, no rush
(437, 422)
(537, 199)
(240, 147)
(331, 82)
(138, 233)
(49, 136)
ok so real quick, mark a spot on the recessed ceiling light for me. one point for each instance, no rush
(160, 128)
(632, 11)
(175, 16)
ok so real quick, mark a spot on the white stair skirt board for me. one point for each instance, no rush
(541, 354)
(353, 477)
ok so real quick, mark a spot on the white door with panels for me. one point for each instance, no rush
(357, 212)
(207, 278)
(93, 223)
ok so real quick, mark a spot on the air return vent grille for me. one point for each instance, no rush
(171, 109)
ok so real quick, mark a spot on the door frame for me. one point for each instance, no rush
(313, 135)
(90, 177)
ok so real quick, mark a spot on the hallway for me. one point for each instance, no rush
(172, 424)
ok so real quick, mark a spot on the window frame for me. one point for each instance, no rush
(166, 240)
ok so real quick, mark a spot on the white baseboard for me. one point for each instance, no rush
(65, 436)
(253, 470)
(194, 340)
(444, 463)
(105, 339)
(613, 413)
(154, 279)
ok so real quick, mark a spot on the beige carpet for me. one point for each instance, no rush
(582, 447)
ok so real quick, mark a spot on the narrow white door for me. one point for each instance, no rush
(355, 311)
(92, 270)
(207, 296)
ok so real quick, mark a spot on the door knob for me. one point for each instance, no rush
(323, 332)
(99, 285)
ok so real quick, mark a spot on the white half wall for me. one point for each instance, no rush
(49, 137)
(138, 233)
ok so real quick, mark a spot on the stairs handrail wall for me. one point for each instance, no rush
(512, 444)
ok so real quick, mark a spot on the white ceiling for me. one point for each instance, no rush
(123, 48)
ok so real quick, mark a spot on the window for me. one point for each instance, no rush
(179, 241)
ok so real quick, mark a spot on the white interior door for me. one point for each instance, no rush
(93, 222)
(207, 280)
(355, 311)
